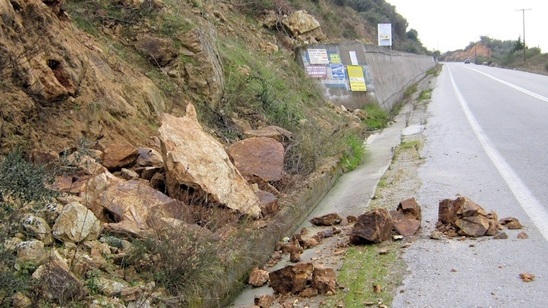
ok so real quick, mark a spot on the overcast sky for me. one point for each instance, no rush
(446, 25)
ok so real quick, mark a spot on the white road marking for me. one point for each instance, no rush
(523, 195)
(511, 85)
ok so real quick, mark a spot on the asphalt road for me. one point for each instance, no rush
(487, 139)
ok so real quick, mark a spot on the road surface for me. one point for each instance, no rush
(487, 139)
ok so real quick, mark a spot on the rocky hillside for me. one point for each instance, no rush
(476, 51)
(169, 143)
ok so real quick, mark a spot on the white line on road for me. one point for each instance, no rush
(511, 85)
(528, 202)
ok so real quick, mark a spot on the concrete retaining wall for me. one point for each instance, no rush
(386, 73)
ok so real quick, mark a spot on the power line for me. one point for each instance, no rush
(524, 46)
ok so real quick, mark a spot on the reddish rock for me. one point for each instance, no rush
(295, 256)
(274, 132)
(374, 226)
(351, 219)
(324, 279)
(407, 227)
(410, 209)
(259, 156)
(150, 171)
(291, 279)
(118, 155)
(473, 226)
(407, 217)
(467, 207)
(149, 158)
(264, 301)
(268, 202)
(500, 236)
(258, 277)
(527, 277)
(447, 211)
(308, 292)
(523, 236)
(511, 223)
(326, 220)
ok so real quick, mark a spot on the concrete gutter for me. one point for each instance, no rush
(349, 196)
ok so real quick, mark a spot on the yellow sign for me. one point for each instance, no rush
(335, 58)
(356, 77)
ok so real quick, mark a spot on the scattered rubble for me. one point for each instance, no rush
(463, 217)
(303, 279)
(258, 277)
(326, 220)
(511, 223)
(527, 277)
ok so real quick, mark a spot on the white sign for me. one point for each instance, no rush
(353, 58)
(318, 56)
(385, 34)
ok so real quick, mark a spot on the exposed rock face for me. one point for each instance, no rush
(206, 76)
(259, 156)
(75, 224)
(159, 51)
(53, 69)
(304, 27)
(206, 168)
(373, 226)
(119, 155)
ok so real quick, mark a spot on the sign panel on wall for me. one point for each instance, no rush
(318, 56)
(385, 34)
(316, 71)
(353, 57)
(335, 58)
(356, 77)
(337, 71)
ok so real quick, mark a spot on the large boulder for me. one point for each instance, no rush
(207, 168)
(130, 203)
(304, 26)
(259, 156)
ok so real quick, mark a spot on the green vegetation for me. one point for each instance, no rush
(180, 259)
(22, 185)
(508, 53)
(425, 94)
(365, 277)
(376, 117)
(354, 154)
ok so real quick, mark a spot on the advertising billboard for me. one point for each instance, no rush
(385, 34)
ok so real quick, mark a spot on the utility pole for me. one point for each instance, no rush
(524, 46)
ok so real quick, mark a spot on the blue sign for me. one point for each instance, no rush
(337, 71)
